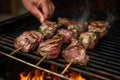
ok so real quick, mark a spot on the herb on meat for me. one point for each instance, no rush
(61, 23)
(80, 39)
(77, 27)
(61, 35)
(42, 31)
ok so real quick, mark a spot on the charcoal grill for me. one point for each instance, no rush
(104, 59)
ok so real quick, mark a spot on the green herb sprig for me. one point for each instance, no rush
(96, 33)
(61, 35)
(77, 27)
(61, 23)
(42, 31)
(80, 39)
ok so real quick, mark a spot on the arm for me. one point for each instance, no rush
(41, 9)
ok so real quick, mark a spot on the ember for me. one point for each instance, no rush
(37, 74)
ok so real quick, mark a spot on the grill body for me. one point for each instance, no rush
(104, 59)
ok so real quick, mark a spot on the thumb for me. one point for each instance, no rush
(37, 13)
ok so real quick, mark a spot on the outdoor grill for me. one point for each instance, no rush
(104, 59)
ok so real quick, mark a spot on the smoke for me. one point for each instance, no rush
(110, 17)
(99, 10)
(85, 13)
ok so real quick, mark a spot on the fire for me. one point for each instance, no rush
(32, 75)
(76, 76)
(37, 74)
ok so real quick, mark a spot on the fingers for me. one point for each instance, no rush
(37, 13)
(34, 6)
(31, 7)
(48, 9)
(45, 10)
(51, 8)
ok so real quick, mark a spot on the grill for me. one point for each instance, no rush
(104, 59)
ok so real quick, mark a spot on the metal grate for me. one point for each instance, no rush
(104, 59)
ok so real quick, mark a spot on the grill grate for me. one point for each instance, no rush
(104, 59)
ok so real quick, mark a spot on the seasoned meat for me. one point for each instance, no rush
(77, 27)
(28, 40)
(99, 26)
(50, 47)
(88, 39)
(68, 35)
(48, 29)
(76, 53)
(63, 21)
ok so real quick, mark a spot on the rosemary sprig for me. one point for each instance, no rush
(61, 23)
(77, 27)
(42, 31)
(61, 35)
(96, 33)
(91, 37)
(80, 39)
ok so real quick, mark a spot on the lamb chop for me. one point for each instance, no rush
(77, 27)
(48, 29)
(75, 52)
(99, 26)
(88, 39)
(28, 40)
(68, 35)
(63, 21)
(51, 47)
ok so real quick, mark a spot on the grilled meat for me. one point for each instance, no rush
(50, 47)
(48, 29)
(68, 35)
(77, 27)
(63, 21)
(28, 40)
(99, 26)
(76, 53)
(88, 39)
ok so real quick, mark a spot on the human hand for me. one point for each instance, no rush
(41, 9)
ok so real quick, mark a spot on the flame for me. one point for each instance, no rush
(76, 76)
(37, 74)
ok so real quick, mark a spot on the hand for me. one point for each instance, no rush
(41, 9)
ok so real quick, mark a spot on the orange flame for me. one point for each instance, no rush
(76, 76)
(40, 75)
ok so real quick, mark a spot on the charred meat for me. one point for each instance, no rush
(48, 29)
(77, 27)
(68, 35)
(63, 21)
(99, 26)
(75, 52)
(88, 39)
(51, 47)
(28, 40)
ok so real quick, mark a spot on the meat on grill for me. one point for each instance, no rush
(28, 40)
(77, 27)
(68, 35)
(88, 39)
(64, 21)
(48, 29)
(75, 52)
(50, 47)
(99, 26)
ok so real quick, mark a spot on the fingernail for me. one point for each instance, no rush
(41, 19)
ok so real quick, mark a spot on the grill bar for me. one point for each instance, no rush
(99, 61)
(106, 69)
(56, 74)
(104, 59)
(63, 66)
